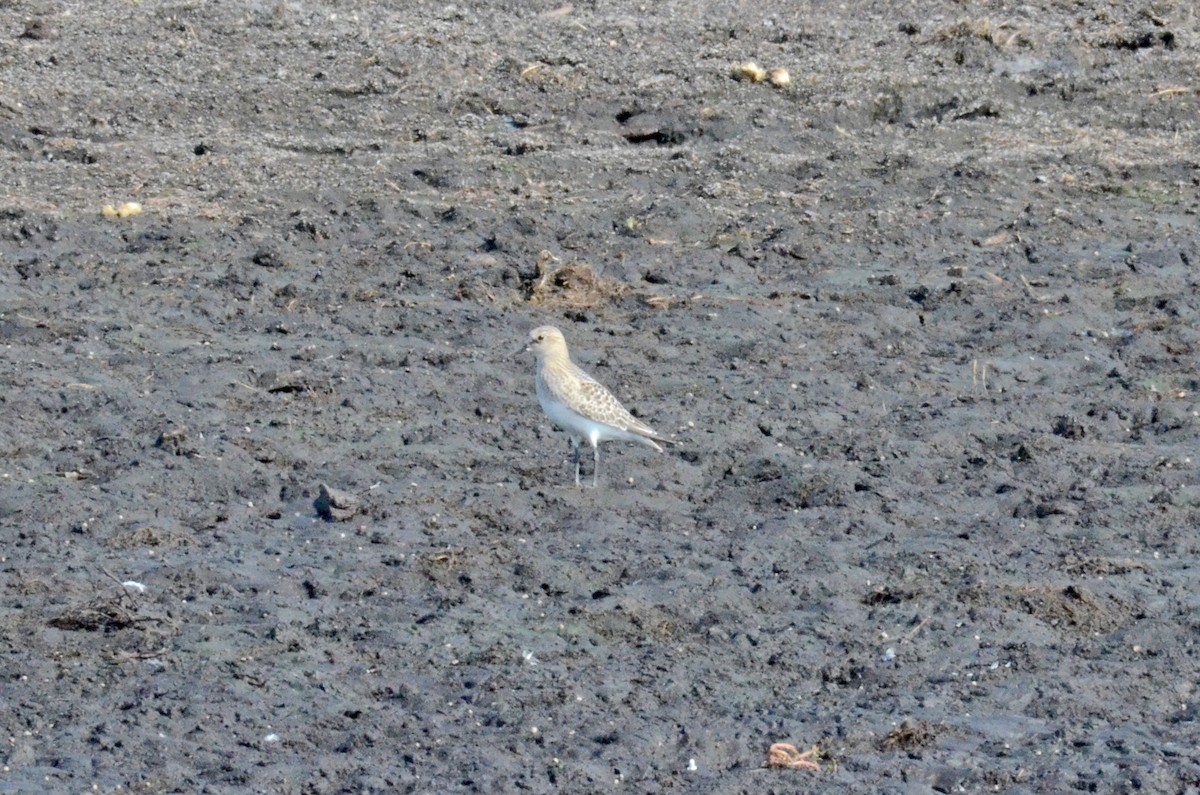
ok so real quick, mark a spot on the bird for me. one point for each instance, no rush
(581, 405)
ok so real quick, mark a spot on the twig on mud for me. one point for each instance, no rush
(118, 657)
(667, 301)
(106, 613)
(124, 587)
(1041, 299)
(1171, 91)
(912, 633)
(124, 590)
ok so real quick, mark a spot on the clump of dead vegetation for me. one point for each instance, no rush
(574, 285)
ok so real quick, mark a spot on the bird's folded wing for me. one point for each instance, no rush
(603, 406)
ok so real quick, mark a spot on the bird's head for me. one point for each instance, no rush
(546, 340)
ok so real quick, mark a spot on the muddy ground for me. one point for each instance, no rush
(923, 323)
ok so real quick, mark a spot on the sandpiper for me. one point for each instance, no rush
(579, 404)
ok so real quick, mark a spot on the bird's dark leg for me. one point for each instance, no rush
(595, 465)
